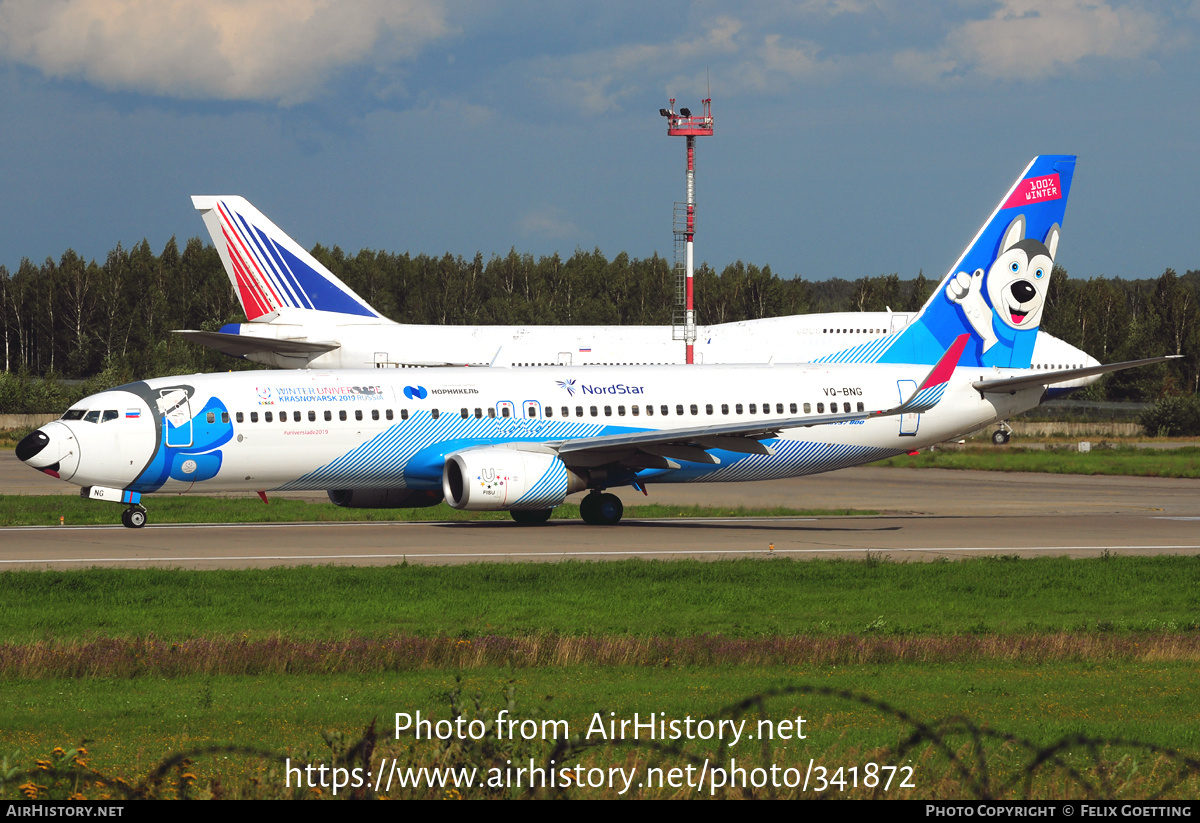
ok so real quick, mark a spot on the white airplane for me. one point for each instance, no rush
(521, 440)
(302, 316)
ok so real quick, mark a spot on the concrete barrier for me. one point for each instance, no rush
(25, 421)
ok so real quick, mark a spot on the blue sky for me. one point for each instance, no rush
(852, 138)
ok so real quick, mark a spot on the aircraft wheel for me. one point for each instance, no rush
(608, 510)
(133, 518)
(530, 517)
(1000, 437)
(587, 508)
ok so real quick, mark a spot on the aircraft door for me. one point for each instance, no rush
(899, 321)
(381, 360)
(908, 422)
(564, 358)
(177, 417)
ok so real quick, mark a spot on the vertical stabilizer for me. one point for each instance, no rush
(996, 291)
(268, 269)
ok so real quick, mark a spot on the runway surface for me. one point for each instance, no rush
(928, 514)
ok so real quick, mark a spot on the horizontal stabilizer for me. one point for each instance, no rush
(1046, 379)
(240, 345)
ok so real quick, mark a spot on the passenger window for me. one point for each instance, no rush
(620, 411)
(387, 414)
(593, 410)
(566, 411)
(820, 408)
(111, 414)
(211, 417)
(464, 413)
(328, 415)
(253, 417)
(793, 408)
(342, 415)
(403, 414)
(695, 409)
(846, 407)
(608, 411)
(434, 414)
(634, 409)
(268, 417)
(504, 412)
(549, 411)
(753, 408)
(312, 416)
(579, 411)
(738, 408)
(239, 417)
(224, 417)
(478, 414)
(679, 410)
(861, 407)
(531, 411)
(808, 408)
(724, 408)
(708, 408)
(779, 408)
(358, 414)
(650, 411)
(491, 414)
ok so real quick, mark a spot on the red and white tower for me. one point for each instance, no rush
(683, 124)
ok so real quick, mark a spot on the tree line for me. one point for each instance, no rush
(104, 323)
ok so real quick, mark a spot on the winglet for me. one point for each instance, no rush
(930, 392)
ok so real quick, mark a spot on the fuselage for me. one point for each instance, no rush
(367, 429)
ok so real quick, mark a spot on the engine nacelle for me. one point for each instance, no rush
(490, 479)
(384, 498)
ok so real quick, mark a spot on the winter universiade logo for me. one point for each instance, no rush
(416, 392)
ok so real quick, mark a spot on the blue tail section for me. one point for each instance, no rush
(997, 290)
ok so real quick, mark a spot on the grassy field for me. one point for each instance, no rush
(45, 510)
(1119, 460)
(934, 666)
(740, 598)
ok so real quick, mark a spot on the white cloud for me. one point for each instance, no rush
(1029, 39)
(548, 223)
(280, 50)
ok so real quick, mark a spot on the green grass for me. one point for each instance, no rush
(1121, 460)
(131, 723)
(739, 598)
(45, 510)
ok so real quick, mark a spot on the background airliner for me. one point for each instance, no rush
(303, 316)
(521, 440)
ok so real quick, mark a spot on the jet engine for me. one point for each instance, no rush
(491, 479)
(384, 498)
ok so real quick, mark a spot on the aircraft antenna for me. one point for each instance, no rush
(683, 123)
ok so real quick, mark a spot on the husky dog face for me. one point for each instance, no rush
(1018, 279)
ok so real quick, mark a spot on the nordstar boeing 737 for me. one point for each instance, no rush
(522, 440)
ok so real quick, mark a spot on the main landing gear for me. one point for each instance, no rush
(134, 517)
(1002, 435)
(601, 509)
(530, 517)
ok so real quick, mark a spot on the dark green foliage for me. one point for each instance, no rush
(112, 321)
(1172, 417)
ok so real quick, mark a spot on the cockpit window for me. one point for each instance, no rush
(92, 417)
(74, 414)
(109, 414)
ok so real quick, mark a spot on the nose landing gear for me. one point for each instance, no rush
(134, 517)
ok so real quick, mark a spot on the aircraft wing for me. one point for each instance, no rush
(1044, 379)
(240, 345)
(743, 437)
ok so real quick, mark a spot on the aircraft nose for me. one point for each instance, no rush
(1023, 291)
(31, 445)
